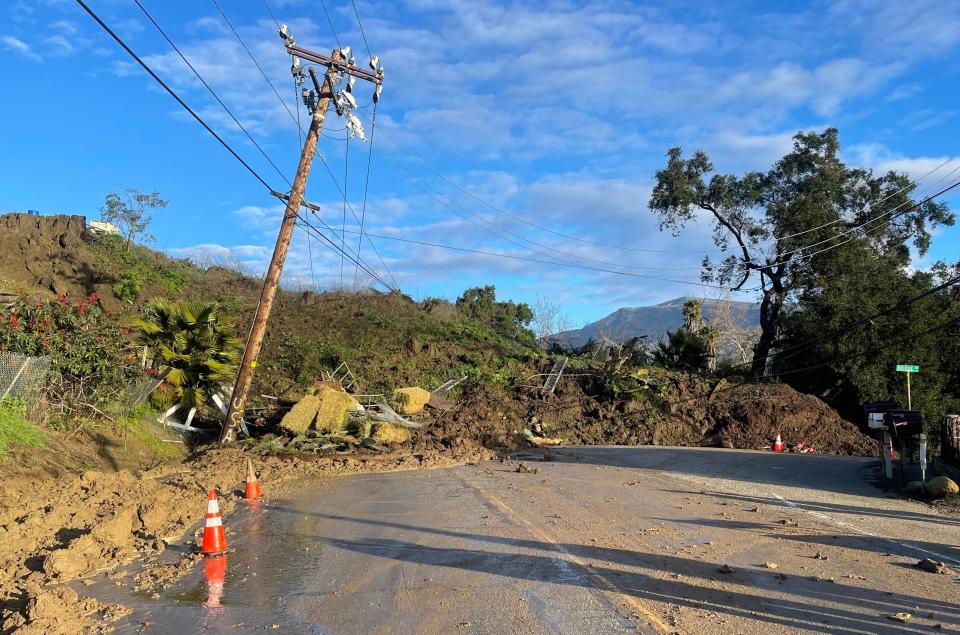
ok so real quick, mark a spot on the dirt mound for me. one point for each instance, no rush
(690, 412)
(38, 251)
(751, 416)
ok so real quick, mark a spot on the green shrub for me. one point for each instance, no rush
(195, 351)
(16, 428)
(87, 346)
(127, 288)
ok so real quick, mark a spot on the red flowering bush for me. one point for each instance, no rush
(85, 344)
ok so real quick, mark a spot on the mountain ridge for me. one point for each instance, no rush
(652, 321)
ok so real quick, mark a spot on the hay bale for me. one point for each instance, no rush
(334, 409)
(942, 487)
(410, 400)
(302, 415)
(384, 432)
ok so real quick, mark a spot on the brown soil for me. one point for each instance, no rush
(53, 531)
(693, 412)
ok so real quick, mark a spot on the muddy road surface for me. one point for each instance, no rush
(597, 540)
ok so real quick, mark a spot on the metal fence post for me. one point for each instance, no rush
(923, 460)
(887, 460)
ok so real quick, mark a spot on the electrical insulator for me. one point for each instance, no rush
(309, 99)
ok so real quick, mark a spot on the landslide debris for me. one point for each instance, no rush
(684, 411)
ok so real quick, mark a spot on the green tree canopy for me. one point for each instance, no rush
(130, 211)
(509, 318)
(780, 229)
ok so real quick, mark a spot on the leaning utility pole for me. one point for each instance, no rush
(338, 63)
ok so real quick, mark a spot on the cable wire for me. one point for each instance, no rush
(251, 56)
(497, 231)
(190, 110)
(346, 173)
(360, 24)
(892, 194)
(546, 262)
(520, 219)
(852, 325)
(172, 93)
(210, 89)
(330, 22)
(366, 185)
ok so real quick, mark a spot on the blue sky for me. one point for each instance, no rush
(558, 113)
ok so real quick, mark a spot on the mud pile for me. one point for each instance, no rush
(689, 412)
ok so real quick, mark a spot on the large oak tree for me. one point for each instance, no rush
(776, 229)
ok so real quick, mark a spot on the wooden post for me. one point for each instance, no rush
(272, 280)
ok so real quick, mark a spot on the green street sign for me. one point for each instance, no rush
(907, 368)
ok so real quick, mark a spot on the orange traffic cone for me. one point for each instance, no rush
(252, 490)
(778, 444)
(214, 540)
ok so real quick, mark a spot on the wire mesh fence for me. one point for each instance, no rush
(137, 393)
(22, 376)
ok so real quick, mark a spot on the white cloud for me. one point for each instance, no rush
(17, 45)
(882, 160)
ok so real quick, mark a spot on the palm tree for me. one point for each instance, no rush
(683, 350)
(194, 349)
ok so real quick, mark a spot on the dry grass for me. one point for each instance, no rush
(390, 433)
(410, 400)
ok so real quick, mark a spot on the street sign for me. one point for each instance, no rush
(908, 369)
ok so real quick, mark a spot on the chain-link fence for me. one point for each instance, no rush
(137, 393)
(21, 376)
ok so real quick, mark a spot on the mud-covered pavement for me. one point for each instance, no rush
(598, 540)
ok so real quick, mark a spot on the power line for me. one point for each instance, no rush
(346, 187)
(852, 325)
(360, 24)
(892, 194)
(857, 228)
(251, 56)
(517, 218)
(546, 262)
(273, 16)
(496, 230)
(330, 22)
(334, 245)
(210, 90)
(876, 349)
(366, 182)
(173, 93)
(186, 107)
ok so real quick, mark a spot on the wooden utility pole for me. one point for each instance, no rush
(245, 376)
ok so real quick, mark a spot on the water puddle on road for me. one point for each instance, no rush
(238, 592)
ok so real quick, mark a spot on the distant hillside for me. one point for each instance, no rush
(652, 321)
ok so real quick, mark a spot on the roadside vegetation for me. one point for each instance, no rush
(16, 428)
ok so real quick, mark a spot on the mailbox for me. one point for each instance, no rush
(904, 423)
(876, 414)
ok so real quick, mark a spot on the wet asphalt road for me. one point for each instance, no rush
(600, 540)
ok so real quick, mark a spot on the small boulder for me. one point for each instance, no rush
(942, 487)
(933, 566)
